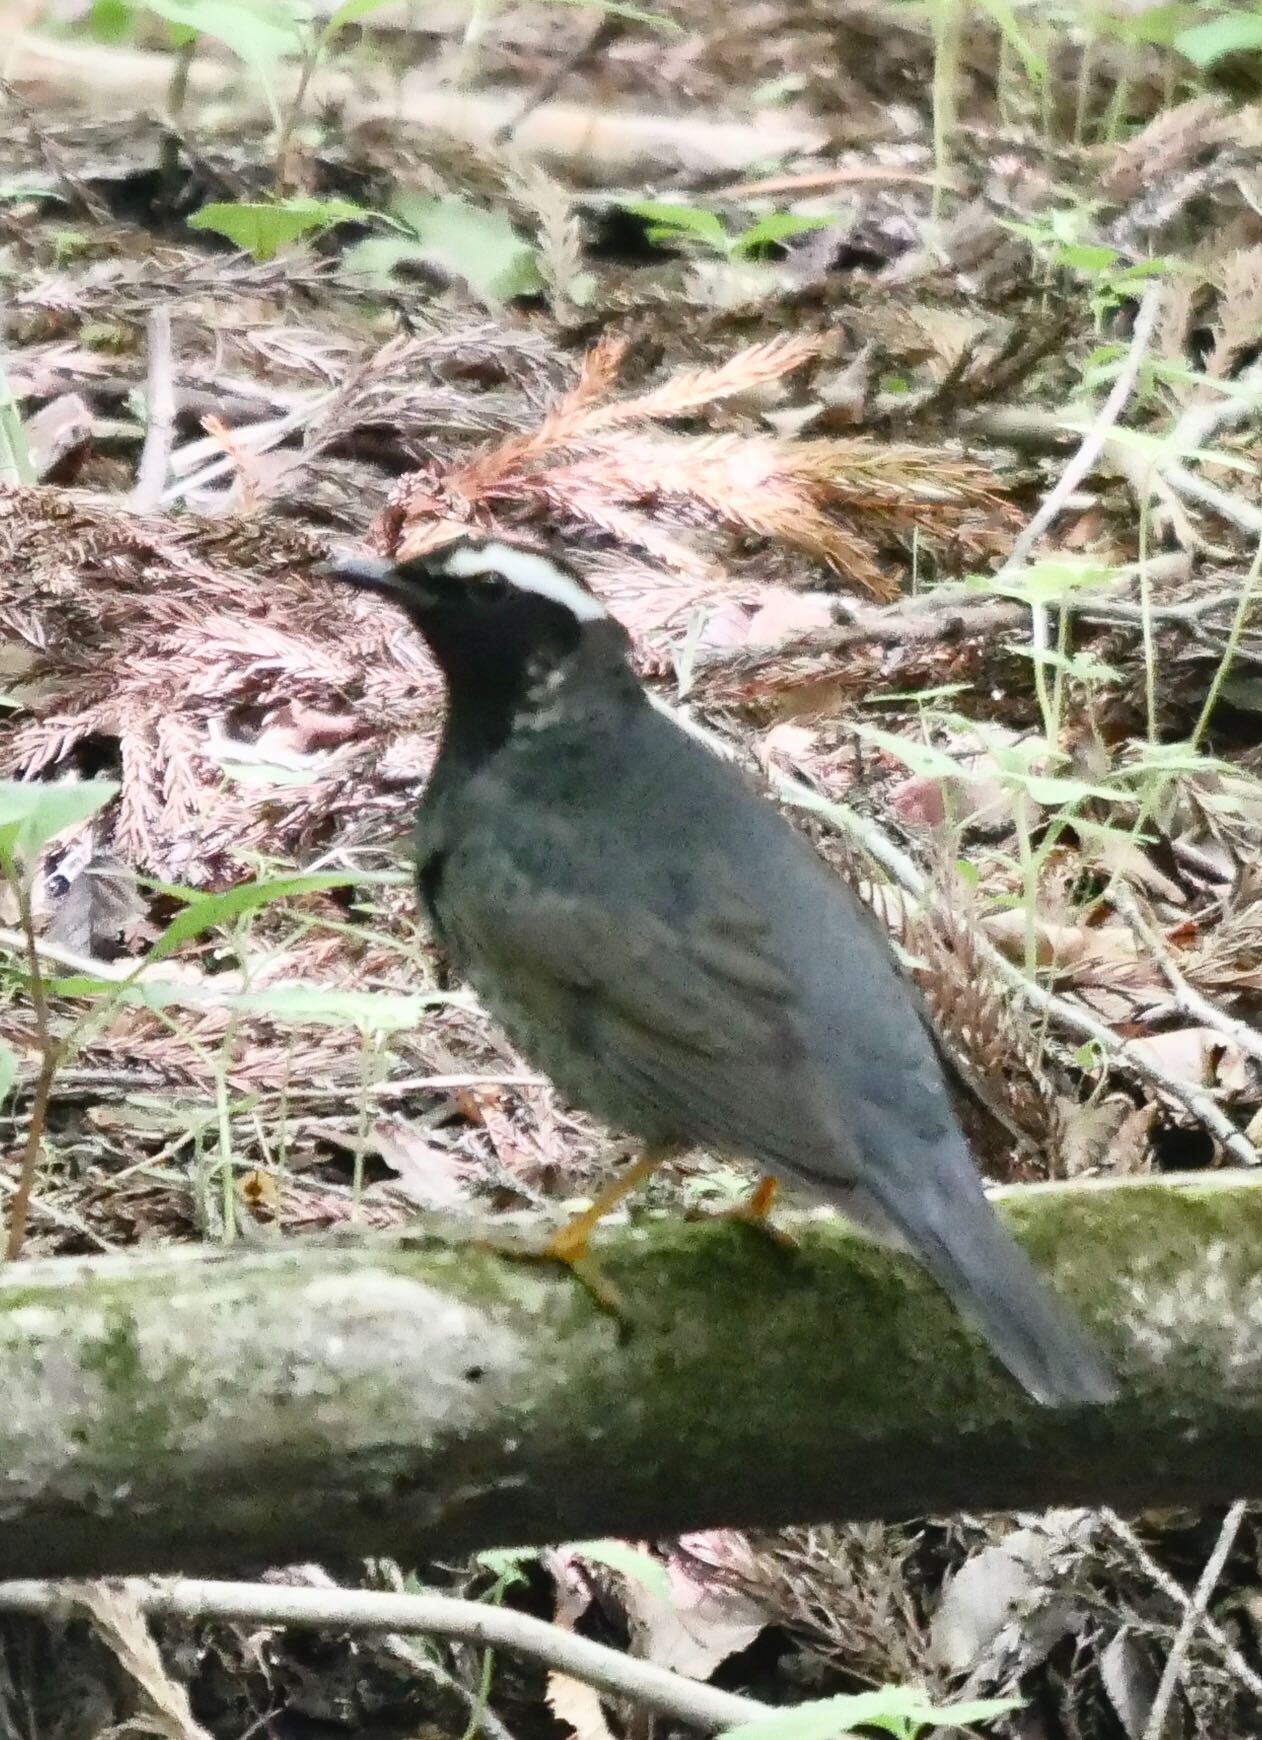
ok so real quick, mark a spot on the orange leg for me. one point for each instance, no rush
(570, 1243)
(755, 1211)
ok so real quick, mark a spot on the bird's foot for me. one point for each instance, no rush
(569, 1248)
(570, 1244)
(755, 1212)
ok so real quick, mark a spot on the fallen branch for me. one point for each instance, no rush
(346, 1398)
(369, 1610)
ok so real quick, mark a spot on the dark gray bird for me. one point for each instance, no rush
(655, 936)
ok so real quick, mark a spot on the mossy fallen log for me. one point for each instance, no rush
(215, 1411)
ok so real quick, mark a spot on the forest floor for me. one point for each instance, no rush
(900, 393)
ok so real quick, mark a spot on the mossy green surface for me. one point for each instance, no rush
(425, 1394)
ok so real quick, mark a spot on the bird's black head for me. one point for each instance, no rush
(510, 627)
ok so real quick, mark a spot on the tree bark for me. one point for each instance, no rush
(226, 1411)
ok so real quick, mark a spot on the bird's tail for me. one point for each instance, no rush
(991, 1281)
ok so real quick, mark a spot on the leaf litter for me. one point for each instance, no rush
(779, 466)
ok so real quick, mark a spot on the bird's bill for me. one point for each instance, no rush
(368, 573)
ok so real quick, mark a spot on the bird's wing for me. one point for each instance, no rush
(690, 1011)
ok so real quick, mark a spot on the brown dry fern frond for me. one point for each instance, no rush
(1239, 281)
(165, 636)
(1171, 141)
(602, 465)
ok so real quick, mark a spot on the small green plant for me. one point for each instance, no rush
(898, 1710)
(1064, 238)
(448, 234)
(261, 227)
(1235, 30)
(691, 227)
(30, 816)
(462, 240)
(261, 33)
(15, 457)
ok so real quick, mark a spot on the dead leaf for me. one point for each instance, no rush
(786, 745)
(55, 430)
(1003, 1610)
(432, 1176)
(926, 800)
(1123, 857)
(578, 1706)
(260, 1193)
(786, 614)
(693, 1629)
(98, 908)
(1060, 945)
(1129, 1680)
(1197, 1054)
(1111, 1137)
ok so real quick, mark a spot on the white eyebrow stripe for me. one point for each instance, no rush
(526, 571)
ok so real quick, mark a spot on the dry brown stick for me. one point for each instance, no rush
(155, 456)
(1096, 438)
(1175, 1592)
(1067, 1014)
(49, 1058)
(1193, 1617)
(1187, 999)
(372, 1610)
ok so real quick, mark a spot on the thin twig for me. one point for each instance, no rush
(155, 456)
(1157, 1574)
(1194, 1614)
(17, 943)
(1074, 474)
(1235, 637)
(1096, 438)
(1067, 1014)
(360, 1610)
(49, 1057)
(1187, 1000)
(1231, 508)
(1200, 422)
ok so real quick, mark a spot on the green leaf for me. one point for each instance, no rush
(349, 13)
(110, 20)
(1044, 582)
(828, 1718)
(462, 240)
(1086, 256)
(370, 1011)
(638, 1567)
(1159, 25)
(1083, 666)
(920, 757)
(1053, 793)
(777, 226)
(670, 223)
(897, 697)
(8, 1069)
(1206, 44)
(506, 1563)
(148, 993)
(204, 911)
(259, 32)
(33, 812)
(264, 226)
